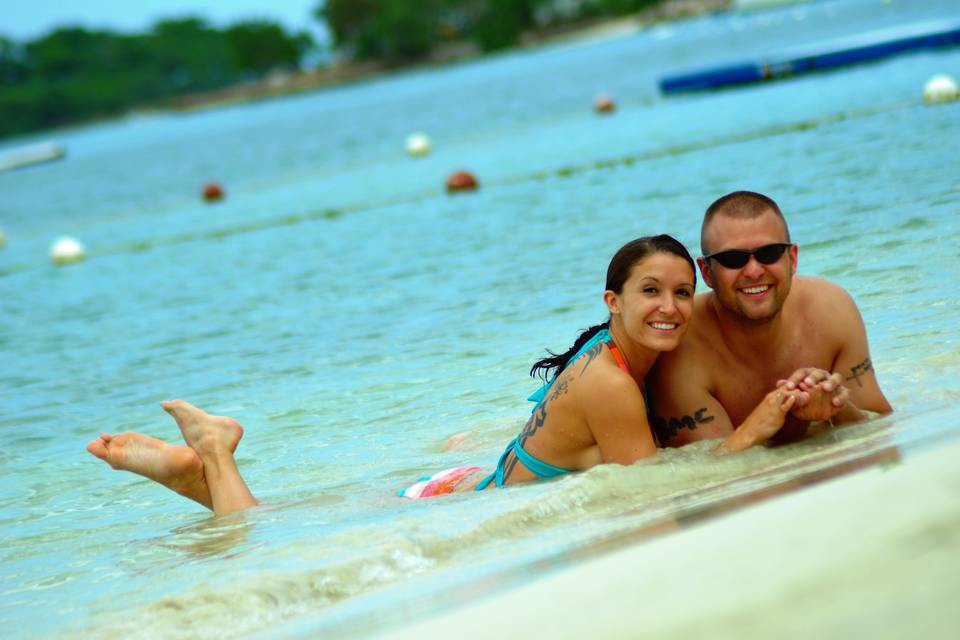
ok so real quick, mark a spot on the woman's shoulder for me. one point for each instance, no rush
(603, 377)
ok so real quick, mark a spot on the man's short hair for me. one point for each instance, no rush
(742, 205)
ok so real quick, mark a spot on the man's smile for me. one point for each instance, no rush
(756, 290)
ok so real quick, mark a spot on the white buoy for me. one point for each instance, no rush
(418, 144)
(67, 251)
(940, 89)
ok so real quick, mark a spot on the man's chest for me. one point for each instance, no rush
(739, 384)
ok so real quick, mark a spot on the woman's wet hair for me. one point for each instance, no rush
(617, 274)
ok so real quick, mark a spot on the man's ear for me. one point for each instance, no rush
(705, 272)
(794, 252)
(610, 299)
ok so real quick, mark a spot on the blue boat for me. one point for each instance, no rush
(829, 55)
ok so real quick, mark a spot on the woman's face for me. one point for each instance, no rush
(656, 302)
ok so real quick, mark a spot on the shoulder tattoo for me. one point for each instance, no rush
(857, 371)
(667, 428)
(560, 387)
(591, 355)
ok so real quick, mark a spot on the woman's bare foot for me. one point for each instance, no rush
(205, 433)
(176, 467)
(214, 438)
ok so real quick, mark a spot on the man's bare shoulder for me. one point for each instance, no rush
(821, 298)
(813, 289)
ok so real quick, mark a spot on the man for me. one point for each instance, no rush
(764, 350)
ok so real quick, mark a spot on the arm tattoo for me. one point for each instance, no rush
(667, 429)
(860, 370)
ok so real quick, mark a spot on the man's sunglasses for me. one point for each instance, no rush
(737, 258)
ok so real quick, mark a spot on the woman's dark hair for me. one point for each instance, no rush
(617, 273)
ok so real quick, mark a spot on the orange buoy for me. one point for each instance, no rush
(212, 192)
(462, 181)
(604, 104)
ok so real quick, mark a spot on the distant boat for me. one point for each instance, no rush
(27, 155)
(820, 56)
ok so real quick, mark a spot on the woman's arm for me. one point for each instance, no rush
(617, 417)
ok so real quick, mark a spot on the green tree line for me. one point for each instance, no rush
(74, 74)
(399, 31)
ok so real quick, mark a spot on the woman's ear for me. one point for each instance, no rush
(610, 299)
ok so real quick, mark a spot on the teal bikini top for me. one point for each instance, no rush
(538, 467)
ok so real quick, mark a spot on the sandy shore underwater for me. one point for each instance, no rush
(871, 554)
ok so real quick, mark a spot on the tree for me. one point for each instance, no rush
(392, 30)
(260, 46)
(191, 55)
(503, 22)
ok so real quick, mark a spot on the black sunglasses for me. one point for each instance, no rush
(737, 258)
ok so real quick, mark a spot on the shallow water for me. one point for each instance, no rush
(352, 316)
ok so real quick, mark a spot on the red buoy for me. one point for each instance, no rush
(212, 192)
(604, 104)
(461, 181)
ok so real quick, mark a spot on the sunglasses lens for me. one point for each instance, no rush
(733, 259)
(737, 258)
(770, 253)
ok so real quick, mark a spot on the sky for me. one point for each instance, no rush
(24, 20)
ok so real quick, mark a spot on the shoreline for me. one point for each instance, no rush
(347, 72)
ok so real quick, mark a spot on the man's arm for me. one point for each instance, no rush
(839, 397)
(852, 364)
(683, 409)
(686, 411)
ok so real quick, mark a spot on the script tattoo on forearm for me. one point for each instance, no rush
(667, 428)
(860, 370)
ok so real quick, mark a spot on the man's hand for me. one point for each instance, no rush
(820, 394)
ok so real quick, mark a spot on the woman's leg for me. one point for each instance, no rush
(176, 467)
(214, 438)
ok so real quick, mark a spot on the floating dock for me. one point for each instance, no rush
(873, 45)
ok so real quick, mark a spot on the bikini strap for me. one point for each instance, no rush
(618, 355)
(536, 466)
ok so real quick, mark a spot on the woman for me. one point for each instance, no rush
(592, 411)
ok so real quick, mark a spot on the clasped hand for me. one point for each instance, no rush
(820, 395)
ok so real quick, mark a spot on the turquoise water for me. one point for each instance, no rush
(353, 316)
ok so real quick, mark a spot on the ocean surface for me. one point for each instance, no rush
(353, 316)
